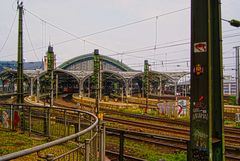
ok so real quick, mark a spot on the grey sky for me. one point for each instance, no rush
(82, 17)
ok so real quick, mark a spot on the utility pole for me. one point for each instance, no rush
(50, 68)
(206, 115)
(237, 76)
(20, 91)
(146, 82)
(96, 79)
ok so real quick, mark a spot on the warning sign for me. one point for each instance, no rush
(200, 47)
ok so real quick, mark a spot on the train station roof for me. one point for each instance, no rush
(81, 67)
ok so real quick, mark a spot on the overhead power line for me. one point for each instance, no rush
(9, 33)
(102, 31)
(69, 33)
(153, 48)
(30, 37)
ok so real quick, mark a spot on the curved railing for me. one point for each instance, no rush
(76, 128)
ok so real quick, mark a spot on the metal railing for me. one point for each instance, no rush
(78, 129)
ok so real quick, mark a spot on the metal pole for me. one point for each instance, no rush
(89, 87)
(237, 75)
(121, 146)
(175, 88)
(31, 93)
(79, 124)
(96, 76)
(100, 79)
(127, 88)
(206, 112)
(2, 85)
(87, 150)
(20, 91)
(51, 104)
(104, 140)
(79, 90)
(185, 86)
(102, 143)
(38, 84)
(56, 86)
(146, 82)
(30, 121)
(65, 123)
(130, 91)
(20, 56)
(122, 94)
(11, 117)
(160, 85)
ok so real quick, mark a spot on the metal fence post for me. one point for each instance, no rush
(11, 117)
(104, 140)
(96, 143)
(102, 143)
(78, 126)
(30, 121)
(95, 147)
(45, 124)
(49, 157)
(22, 116)
(65, 123)
(87, 150)
(49, 122)
(121, 146)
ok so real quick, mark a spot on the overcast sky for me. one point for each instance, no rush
(143, 24)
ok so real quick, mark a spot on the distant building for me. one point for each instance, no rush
(229, 87)
(26, 65)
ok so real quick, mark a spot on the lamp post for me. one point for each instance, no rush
(233, 22)
(236, 23)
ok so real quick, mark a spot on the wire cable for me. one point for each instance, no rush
(9, 33)
(106, 30)
(24, 18)
(69, 33)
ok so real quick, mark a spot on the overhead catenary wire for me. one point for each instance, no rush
(25, 23)
(102, 31)
(69, 33)
(9, 33)
(106, 30)
(174, 52)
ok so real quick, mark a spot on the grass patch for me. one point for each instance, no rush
(14, 141)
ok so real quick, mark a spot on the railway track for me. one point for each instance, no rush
(146, 125)
(230, 132)
(232, 136)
